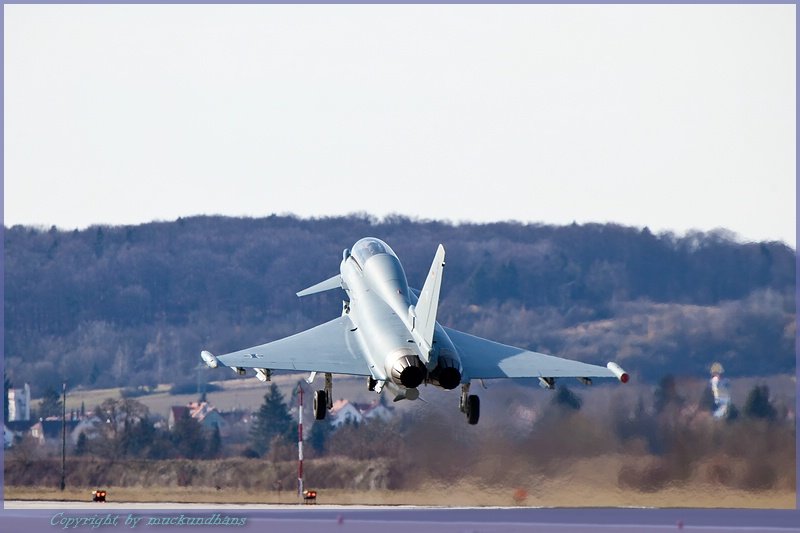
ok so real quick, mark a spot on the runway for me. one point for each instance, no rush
(31, 517)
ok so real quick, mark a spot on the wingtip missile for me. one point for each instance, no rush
(618, 372)
(210, 359)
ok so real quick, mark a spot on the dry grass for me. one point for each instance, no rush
(550, 493)
(583, 483)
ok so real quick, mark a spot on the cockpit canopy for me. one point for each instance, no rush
(369, 246)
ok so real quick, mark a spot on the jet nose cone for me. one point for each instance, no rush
(411, 377)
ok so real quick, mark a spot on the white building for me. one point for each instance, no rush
(346, 412)
(343, 412)
(19, 404)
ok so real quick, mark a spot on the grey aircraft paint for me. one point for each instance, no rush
(389, 335)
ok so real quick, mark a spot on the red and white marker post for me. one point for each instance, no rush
(300, 444)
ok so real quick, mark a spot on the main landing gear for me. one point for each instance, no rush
(323, 398)
(470, 405)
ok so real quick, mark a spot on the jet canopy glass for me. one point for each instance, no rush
(369, 246)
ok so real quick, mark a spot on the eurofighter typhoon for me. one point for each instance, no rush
(388, 333)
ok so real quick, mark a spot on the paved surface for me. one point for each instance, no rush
(32, 517)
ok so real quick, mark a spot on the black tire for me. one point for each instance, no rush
(320, 404)
(473, 409)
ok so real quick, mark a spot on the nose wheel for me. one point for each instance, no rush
(470, 405)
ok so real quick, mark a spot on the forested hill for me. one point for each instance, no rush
(134, 305)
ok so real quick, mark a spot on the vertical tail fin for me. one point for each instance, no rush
(428, 303)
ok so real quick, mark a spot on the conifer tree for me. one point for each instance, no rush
(188, 437)
(272, 420)
(566, 398)
(758, 405)
(51, 403)
(318, 437)
(214, 445)
(80, 446)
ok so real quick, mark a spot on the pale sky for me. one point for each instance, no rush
(671, 117)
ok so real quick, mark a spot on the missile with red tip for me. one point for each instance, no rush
(617, 371)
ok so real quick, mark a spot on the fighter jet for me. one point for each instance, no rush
(388, 333)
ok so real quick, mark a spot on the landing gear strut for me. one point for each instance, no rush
(323, 398)
(470, 405)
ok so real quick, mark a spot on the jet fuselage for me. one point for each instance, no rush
(382, 309)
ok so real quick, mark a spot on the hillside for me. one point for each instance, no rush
(134, 305)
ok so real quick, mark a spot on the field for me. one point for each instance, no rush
(247, 393)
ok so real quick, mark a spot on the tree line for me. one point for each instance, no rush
(133, 306)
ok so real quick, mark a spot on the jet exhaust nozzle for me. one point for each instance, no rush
(408, 371)
(447, 373)
(411, 377)
(449, 378)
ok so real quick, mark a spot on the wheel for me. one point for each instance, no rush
(473, 409)
(320, 404)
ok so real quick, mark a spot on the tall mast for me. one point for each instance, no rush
(300, 443)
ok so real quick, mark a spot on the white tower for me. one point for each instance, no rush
(721, 389)
(19, 404)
